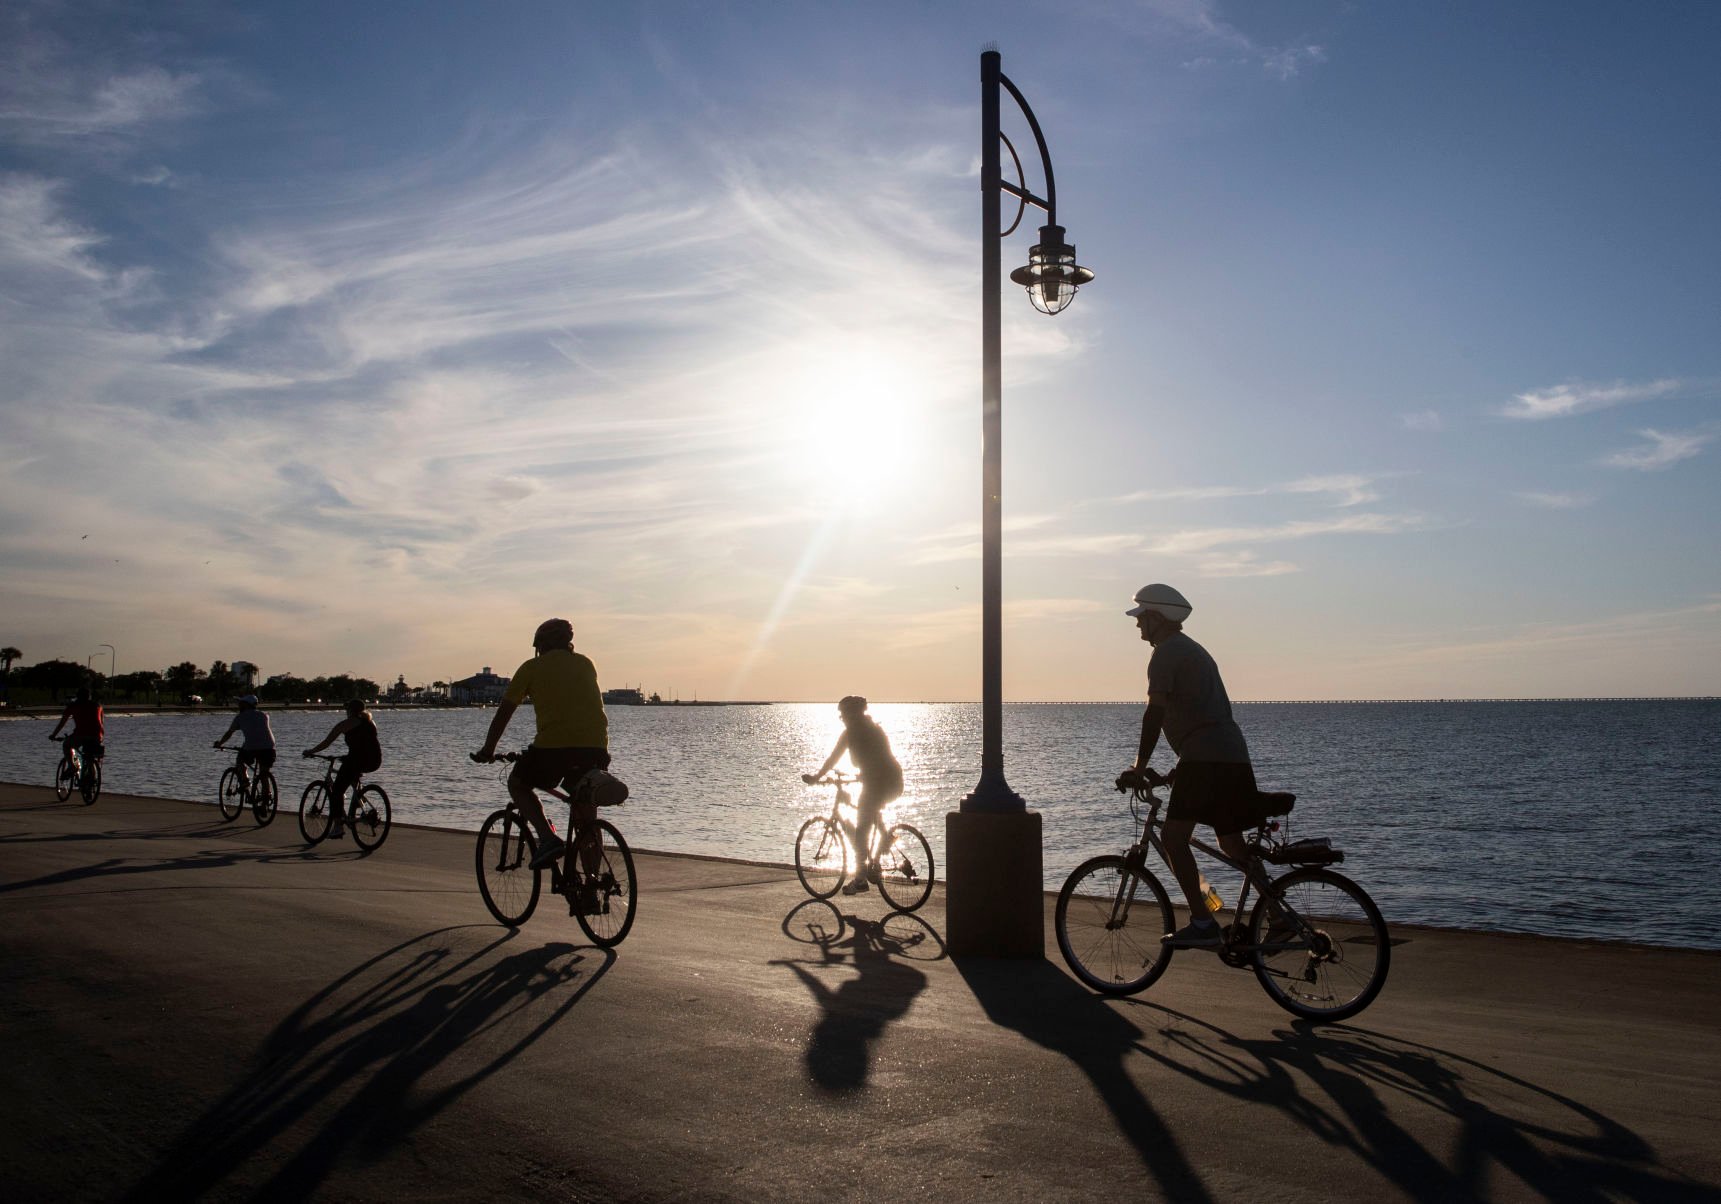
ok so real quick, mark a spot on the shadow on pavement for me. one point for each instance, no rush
(1052, 1010)
(1353, 1090)
(370, 1058)
(881, 988)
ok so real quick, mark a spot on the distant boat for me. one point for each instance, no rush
(627, 696)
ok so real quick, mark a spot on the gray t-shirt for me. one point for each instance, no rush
(254, 731)
(1183, 679)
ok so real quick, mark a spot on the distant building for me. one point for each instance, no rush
(480, 687)
(626, 696)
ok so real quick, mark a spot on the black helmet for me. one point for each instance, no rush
(553, 633)
(854, 704)
(83, 694)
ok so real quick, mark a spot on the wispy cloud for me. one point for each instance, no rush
(1554, 501)
(1424, 420)
(1217, 42)
(67, 79)
(1659, 450)
(1561, 401)
(1344, 489)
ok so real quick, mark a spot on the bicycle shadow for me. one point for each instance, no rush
(854, 1015)
(1052, 1010)
(364, 1058)
(1367, 1079)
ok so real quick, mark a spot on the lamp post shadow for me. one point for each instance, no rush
(1045, 1005)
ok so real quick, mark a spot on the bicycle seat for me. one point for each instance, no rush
(1275, 802)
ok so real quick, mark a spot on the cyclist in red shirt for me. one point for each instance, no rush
(88, 730)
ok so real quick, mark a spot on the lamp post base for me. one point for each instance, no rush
(994, 900)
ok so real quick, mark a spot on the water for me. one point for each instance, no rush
(1576, 819)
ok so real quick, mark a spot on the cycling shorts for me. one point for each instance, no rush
(262, 758)
(1220, 794)
(544, 768)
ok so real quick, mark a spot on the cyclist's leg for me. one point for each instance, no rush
(520, 789)
(1175, 835)
(346, 778)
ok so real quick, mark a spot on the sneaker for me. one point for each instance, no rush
(858, 886)
(1195, 936)
(549, 852)
(335, 833)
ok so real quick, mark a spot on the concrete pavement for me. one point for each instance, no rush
(195, 1008)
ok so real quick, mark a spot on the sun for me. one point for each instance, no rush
(851, 430)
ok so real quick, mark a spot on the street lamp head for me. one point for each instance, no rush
(1052, 275)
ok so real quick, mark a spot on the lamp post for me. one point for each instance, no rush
(113, 660)
(992, 844)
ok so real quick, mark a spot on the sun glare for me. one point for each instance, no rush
(851, 430)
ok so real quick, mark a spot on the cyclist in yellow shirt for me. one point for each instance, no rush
(573, 732)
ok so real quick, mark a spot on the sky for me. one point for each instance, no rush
(361, 338)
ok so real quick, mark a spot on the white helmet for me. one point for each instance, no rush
(1162, 600)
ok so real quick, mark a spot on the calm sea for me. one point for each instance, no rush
(1575, 819)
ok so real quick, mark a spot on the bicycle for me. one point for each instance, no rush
(367, 814)
(594, 872)
(77, 770)
(239, 790)
(1315, 940)
(902, 860)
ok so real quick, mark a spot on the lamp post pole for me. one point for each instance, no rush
(992, 843)
(113, 660)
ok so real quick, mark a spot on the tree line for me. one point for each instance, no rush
(54, 680)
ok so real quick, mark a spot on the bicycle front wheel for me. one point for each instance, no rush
(606, 913)
(506, 880)
(905, 868)
(90, 785)
(265, 798)
(1111, 923)
(370, 818)
(1333, 971)
(64, 779)
(314, 813)
(821, 857)
(229, 795)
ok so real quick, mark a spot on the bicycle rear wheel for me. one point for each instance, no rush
(1336, 973)
(265, 799)
(314, 813)
(612, 877)
(821, 857)
(905, 868)
(506, 880)
(369, 818)
(90, 784)
(229, 795)
(1111, 922)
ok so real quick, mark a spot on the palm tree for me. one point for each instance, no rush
(8, 654)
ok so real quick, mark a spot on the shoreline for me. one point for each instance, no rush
(1594, 942)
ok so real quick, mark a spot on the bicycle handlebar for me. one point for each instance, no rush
(833, 779)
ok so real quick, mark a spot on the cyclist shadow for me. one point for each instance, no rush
(855, 1015)
(1049, 1008)
(125, 867)
(352, 1065)
(1365, 1080)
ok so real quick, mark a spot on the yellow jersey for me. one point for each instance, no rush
(562, 687)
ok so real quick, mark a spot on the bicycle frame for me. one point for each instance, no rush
(1254, 877)
(852, 830)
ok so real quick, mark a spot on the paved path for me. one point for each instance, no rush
(190, 1007)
